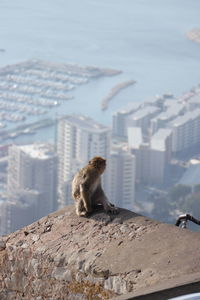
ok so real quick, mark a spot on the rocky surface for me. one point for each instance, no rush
(63, 256)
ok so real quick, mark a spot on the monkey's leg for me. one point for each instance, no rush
(86, 197)
(80, 209)
(108, 207)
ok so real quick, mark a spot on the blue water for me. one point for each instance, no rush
(143, 38)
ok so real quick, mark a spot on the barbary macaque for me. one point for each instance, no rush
(87, 190)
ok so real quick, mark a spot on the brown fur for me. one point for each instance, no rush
(87, 190)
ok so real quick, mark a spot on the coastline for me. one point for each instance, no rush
(194, 35)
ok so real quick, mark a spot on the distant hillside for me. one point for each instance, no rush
(194, 35)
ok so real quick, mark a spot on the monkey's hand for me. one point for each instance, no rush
(110, 208)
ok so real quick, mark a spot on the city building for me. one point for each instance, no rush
(32, 170)
(191, 176)
(20, 211)
(120, 118)
(173, 109)
(160, 151)
(121, 177)
(135, 138)
(142, 118)
(193, 102)
(79, 139)
(185, 131)
(153, 157)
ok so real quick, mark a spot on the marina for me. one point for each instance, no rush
(33, 87)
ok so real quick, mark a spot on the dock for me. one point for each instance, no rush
(34, 87)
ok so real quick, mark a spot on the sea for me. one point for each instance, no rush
(145, 39)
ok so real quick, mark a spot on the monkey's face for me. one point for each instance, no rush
(99, 163)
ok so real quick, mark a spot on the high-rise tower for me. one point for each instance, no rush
(79, 139)
(33, 168)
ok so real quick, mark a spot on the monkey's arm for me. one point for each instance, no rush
(101, 198)
(86, 196)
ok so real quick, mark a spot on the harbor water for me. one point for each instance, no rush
(145, 39)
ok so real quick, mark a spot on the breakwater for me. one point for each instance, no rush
(114, 91)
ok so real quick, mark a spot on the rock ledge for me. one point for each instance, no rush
(63, 256)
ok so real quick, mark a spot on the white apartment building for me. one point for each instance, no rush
(20, 211)
(185, 131)
(79, 139)
(160, 149)
(152, 159)
(121, 178)
(33, 168)
(142, 117)
(193, 102)
(120, 120)
(171, 112)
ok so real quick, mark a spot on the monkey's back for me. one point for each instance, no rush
(87, 176)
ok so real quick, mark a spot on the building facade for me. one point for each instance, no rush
(33, 168)
(185, 131)
(121, 177)
(78, 140)
(152, 158)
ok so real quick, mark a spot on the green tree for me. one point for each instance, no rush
(179, 192)
(192, 205)
(197, 188)
(162, 208)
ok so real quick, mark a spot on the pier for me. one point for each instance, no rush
(25, 129)
(114, 91)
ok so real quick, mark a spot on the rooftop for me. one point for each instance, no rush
(195, 99)
(172, 111)
(158, 140)
(143, 112)
(181, 120)
(39, 151)
(129, 108)
(85, 123)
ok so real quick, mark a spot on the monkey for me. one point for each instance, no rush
(87, 190)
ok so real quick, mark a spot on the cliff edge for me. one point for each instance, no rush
(63, 256)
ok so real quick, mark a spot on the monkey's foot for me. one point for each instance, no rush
(82, 213)
(113, 210)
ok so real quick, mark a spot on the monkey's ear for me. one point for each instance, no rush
(89, 162)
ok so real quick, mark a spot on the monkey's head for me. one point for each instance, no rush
(99, 163)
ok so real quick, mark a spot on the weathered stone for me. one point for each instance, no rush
(117, 221)
(117, 284)
(35, 237)
(2, 245)
(61, 273)
(63, 256)
(125, 228)
(19, 243)
(59, 260)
